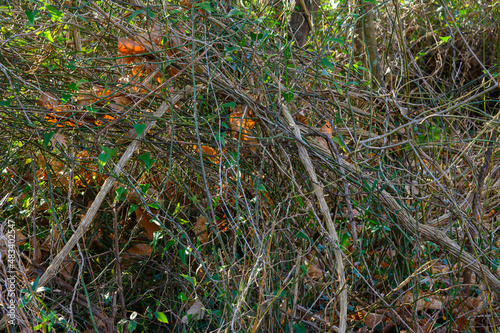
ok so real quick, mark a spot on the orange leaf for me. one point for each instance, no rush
(130, 47)
(212, 153)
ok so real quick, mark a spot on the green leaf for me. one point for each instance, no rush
(119, 193)
(228, 105)
(204, 5)
(48, 35)
(134, 14)
(234, 12)
(299, 328)
(341, 143)
(161, 317)
(444, 39)
(31, 15)
(340, 40)
(104, 157)
(190, 279)
(288, 96)
(150, 13)
(144, 188)
(132, 325)
(132, 209)
(182, 297)
(327, 63)
(76, 85)
(54, 13)
(302, 235)
(65, 98)
(148, 161)
(139, 128)
(46, 138)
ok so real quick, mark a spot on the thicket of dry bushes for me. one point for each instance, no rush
(187, 167)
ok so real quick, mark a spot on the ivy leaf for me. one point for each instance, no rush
(31, 15)
(327, 63)
(46, 138)
(139, 128)
(104, 157)
(205, 5)
(148, 161)
(134, 14)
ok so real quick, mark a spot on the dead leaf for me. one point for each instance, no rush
(326, 129)
(195, 311)
(424, 301)
(130, 47)
(240, 121)
(145, 219)
(67, 267)
(373, 319)
(200, 229)
(59, 138)
(49, 101)
(314, 271)
(212, 153)
(142, 250)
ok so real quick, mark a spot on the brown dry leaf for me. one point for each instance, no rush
(59, 138)
(373, 319)
(67, 267)
(301, 117)
(195, 311)
(37, 254)
(424, 301)
(84, 98)
(145, 219)
(142, 250)
(326, 129)
(49, 101)
(314, 271)
(101, 94)
(200, 229)
(119, 103)
(186, 3)
(51, 241)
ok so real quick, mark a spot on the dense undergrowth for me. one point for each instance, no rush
(216, 223)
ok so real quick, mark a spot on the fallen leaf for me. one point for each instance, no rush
(145, 219)
(142, 250)
(67, 267)
(424, 301)
(130, 47)
(49, 101)
(195, 311)
(59, 138)
(314, 271)
(326, 129)
(200, 229)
